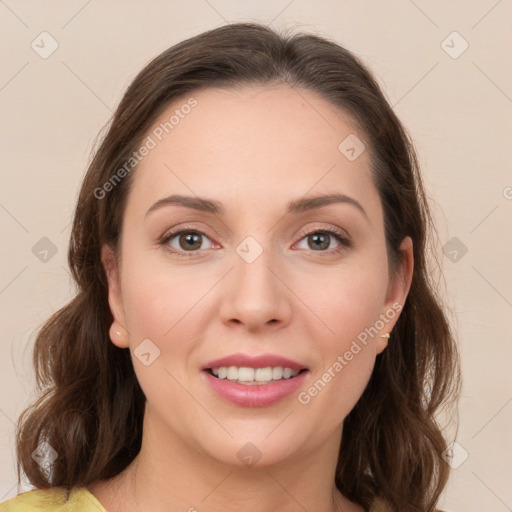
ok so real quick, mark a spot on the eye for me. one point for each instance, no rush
(187, 242)
(321, 239)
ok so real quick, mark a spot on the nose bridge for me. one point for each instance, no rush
(257, 296)
(252, 268)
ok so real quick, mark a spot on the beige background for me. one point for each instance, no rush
(458, 111)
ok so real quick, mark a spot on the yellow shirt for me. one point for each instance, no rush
(57, 499)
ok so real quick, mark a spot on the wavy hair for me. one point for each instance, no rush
(90, 406)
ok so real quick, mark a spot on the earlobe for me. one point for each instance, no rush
(118, 333)
(382, 342)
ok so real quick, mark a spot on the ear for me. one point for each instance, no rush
(398, 289)
(118, 332)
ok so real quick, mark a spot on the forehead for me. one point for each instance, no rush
(254, 145)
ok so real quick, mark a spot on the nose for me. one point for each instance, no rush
(255, 295)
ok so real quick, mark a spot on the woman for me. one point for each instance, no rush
(255, 326)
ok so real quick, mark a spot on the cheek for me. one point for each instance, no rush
(157, 298)
(346, 351)
(348, 303)
(165, 304)
(159, 307)
(333, 393)
(347, 299)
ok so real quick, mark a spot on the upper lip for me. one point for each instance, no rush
(261, 361)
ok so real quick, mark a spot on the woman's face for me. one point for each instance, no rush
(254, 276)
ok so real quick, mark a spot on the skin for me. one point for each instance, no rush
(254, 150)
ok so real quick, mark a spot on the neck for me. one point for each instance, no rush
(172, 476)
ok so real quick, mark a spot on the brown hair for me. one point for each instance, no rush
(91, 407)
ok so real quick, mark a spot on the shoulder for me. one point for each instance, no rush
(379, 506)
(376, 506)
(55, 499)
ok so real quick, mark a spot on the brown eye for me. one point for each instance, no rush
(321, 241)
(190, 240)
(185, 242)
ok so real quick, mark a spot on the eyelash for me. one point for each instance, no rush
(345, 243)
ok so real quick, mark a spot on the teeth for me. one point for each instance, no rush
(277, 373)
(244, 375)
(263, 374)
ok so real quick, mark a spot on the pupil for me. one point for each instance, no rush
(191, 237)
(319, 237)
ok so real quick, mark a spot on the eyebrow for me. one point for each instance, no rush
(296, 206)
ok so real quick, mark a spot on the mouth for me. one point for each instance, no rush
(244, 390)
(254, 376)
(254, 381)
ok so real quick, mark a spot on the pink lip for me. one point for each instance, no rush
(262, 361)
(258, 395)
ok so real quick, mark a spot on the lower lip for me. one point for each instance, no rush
(258, 395)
